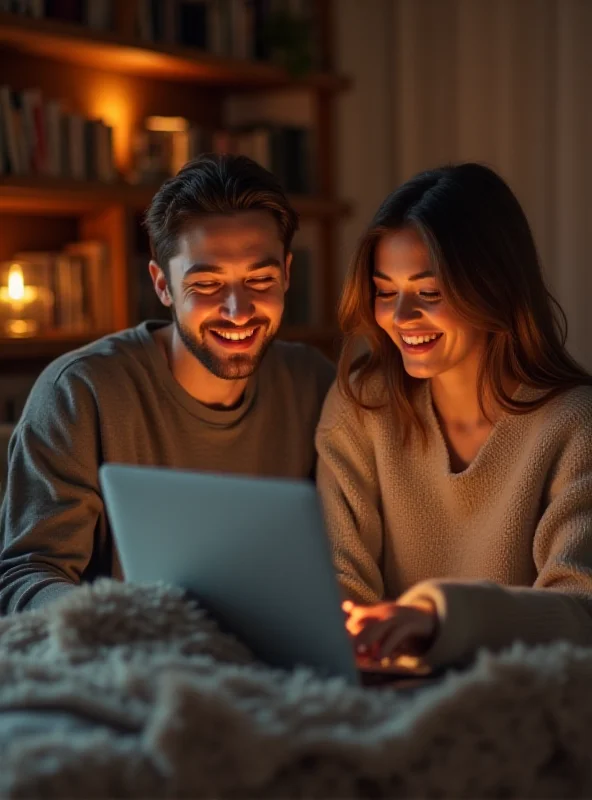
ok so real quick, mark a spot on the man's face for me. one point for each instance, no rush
(226, 287)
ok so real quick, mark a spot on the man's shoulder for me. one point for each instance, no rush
(302, 362)
(103, 360)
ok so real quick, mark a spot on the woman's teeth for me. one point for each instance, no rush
(420, 339)
(236, 337)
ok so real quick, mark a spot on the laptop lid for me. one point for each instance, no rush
(253, 550)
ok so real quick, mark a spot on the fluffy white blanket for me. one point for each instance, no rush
(130, 691)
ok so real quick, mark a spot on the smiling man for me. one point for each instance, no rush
(213, 390)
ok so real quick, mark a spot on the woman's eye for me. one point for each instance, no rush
(384, 295)
(261, 283)
(431, 295)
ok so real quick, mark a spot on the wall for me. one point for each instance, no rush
(364, 113)
(505, 82)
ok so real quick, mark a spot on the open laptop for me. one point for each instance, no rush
(253, 550)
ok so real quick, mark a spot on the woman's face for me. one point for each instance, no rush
(408, 305)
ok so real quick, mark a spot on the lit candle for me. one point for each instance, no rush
(23, 308)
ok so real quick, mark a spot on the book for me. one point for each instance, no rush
(94, 256)
(12, 128)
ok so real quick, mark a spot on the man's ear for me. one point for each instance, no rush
(160, 284)
(287, 268)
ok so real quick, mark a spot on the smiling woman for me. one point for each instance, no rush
(455, 457)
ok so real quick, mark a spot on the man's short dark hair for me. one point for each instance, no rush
(214, 184)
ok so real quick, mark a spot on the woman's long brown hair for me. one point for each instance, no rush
(487, 267)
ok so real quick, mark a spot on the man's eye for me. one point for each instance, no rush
(205, 286)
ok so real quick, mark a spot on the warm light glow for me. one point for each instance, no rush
(166, 124)
(111, 99)
(23, 308)
(16, 283)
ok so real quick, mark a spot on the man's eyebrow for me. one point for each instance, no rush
(200, 267)
(217, 269)
(418, 277)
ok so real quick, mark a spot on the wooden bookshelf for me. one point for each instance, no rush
(77, 44)
(136, 79)
(50, 345)
(55, 343)
(41, 195)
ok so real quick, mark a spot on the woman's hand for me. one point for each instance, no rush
(388, 630)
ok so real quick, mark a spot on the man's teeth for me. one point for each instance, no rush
(419, 339)
(236, 337)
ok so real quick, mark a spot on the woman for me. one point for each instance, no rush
(455, 458)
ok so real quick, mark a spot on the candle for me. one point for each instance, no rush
(24, 308)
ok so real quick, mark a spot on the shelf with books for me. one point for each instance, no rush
(45, 195)
(120, 78)
(100, 49)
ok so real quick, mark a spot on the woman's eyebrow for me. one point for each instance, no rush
(418, 277)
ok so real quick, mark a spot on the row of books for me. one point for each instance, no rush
(285, 150)
(249, 29)
(78, 276)
(96, 14)
(39, 137)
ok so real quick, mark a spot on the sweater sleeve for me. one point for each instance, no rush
(348, 486)
(559, 604)
(52, 503)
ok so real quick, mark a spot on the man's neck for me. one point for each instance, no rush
(196, 379)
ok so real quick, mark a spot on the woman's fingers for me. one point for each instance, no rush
(411, 633)
(359, 617)
(369, 640)
(386, 630)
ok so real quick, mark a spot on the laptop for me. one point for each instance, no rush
(254, 551)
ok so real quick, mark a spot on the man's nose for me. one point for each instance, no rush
(237, 307)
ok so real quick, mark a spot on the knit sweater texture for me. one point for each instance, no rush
(116, 400)
(503, 549)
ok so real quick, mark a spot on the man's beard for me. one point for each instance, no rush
(231, 367)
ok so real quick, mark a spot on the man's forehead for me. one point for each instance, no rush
(245, 224)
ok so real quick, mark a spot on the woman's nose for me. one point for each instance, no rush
(406, 309)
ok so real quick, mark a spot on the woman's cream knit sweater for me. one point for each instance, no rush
(503, 549)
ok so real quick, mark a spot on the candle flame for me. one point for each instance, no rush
(16, 283)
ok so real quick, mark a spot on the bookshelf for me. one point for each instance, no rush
(117, 76)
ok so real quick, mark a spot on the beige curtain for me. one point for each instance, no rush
(509, 83)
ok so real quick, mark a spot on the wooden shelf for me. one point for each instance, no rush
(48, 346)
(53, 196)
(112, 51)
(54, 343)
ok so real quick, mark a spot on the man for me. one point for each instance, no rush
(211, 391)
